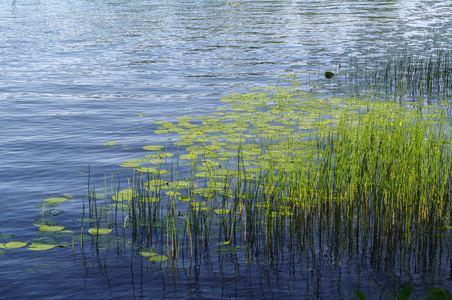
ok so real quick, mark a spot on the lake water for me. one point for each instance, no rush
(76, 74)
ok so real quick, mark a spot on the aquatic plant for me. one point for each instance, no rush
(284, 171)
(278, 174)
(403, 77)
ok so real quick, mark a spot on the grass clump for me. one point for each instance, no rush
(282, 176)
(286, 171)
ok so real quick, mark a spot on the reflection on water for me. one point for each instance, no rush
(75, 75)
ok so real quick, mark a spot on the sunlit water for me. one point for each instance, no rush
(76, 74)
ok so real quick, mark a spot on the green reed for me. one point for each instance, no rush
(282, 175)
(355, 177)
(402, 77)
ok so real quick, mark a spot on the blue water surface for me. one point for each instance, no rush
(76, 74)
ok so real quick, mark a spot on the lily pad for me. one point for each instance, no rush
(153, 148)
(184, 198)
(180, 184)
(82, 238)
(186, 156)
(45, 205)
(55, 200)
(99, 231)
(156, 161)
(6, 236)
(156, 182)
(64, 233)
(158, 258)
(14, 245)
(139, 160)
(129, 165)
(147, 253)
(110, 143)
(42, 222)
(51, 228)
(172, 193)
(161, 172)
(86, 220)
(146, 170)
(125, 195)
(226, 250)
(44, 240)
(40, 247)
(149, 199)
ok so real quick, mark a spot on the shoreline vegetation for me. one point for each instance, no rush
(288, 178)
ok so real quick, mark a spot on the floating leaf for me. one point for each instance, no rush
(156, 182)
(172, 193)
(64, 233)
(40, 247)
(110, 143)
(129, 165)
(14, 245)
(224, 243)
(156, 161)
(180, 184)
(147, 170)
(158, 258)
(160, 172)
(68, 196)
(153, 148)
(184, 198)
(125, 195)
(184, 143)
(139, 160)
(82, 238)
(43, 221)
(147, 253)
(6, 236)
(149, 199)
(44, 240)
(55, 200)
(86, 220)
(45, 205)
(161, 131)
(51, 228)
(226, 250)
(122, 207)
(99, 231)
(97, 195)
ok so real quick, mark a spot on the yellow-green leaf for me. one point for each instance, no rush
(99, 231)
(13, 245)
(55, 200)
(40, 247)
(50, 228)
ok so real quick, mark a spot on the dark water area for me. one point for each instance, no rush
(77, 74)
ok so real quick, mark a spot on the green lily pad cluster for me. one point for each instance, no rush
(278, 168)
